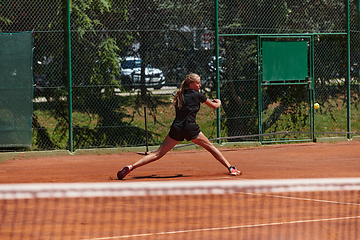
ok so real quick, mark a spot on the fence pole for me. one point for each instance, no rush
(216, 3)
(68, 55)
(348, 65)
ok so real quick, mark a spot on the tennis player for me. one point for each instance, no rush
(187, 103)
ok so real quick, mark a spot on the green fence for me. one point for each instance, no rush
(129, 54)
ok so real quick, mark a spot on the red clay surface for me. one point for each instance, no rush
(307, 160)
(246, 216)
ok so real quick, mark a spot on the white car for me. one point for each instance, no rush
(131, 74)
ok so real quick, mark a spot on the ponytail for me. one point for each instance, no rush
(179, 96)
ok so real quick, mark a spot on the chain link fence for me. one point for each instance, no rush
(131, 54)
(286, 107)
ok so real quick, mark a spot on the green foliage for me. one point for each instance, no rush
(170, 35)
(95, 67)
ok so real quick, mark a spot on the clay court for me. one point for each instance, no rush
(306, 160)
(168, 217)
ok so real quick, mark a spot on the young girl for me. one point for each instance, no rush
(187, 104)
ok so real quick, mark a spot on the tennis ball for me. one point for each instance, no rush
(316, 106)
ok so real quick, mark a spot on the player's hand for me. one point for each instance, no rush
(217, 101)
(214, 104)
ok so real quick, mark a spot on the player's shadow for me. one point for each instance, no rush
(160, 176)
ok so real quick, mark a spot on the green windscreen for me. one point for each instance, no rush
(284, 60)
(16, 89)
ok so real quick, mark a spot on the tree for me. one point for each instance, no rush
(96, 40)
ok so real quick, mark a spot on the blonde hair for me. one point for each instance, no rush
(179, 96)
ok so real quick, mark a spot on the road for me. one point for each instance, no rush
(166, 90)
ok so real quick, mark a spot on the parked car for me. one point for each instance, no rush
(131, 74)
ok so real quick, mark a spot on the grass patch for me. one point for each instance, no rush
(159, 120)
(331, 117)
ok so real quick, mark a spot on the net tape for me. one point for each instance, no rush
(74, 190)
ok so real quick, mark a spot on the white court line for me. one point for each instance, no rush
(223, 228)
(305, 199)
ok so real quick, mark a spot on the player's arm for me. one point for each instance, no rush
(214, 104)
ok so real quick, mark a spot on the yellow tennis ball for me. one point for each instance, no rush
(316, 106)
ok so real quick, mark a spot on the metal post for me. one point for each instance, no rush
(348, 77)
(68, 55)
(312, 88)
(217, 66)
(260, 93)
(146, 133)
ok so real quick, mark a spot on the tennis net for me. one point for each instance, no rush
(224, 209)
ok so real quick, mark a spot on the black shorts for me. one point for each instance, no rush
(189, 132)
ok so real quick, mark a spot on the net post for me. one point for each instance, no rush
(146, 133)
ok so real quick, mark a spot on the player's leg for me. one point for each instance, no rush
(166, 146)
(204, 142)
